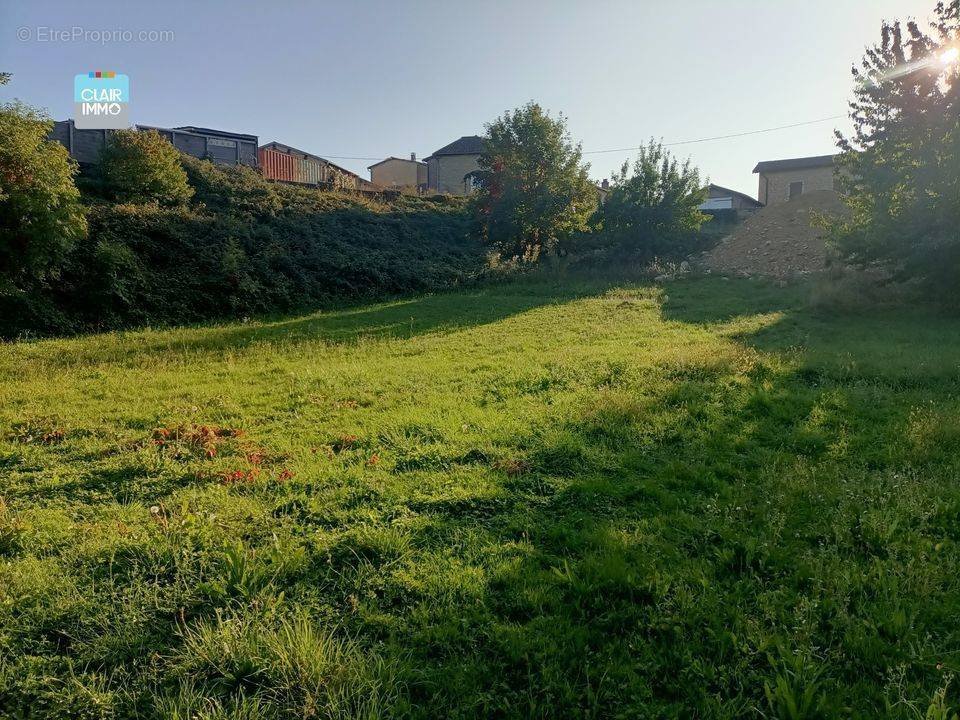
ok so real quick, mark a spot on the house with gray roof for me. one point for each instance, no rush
(449, 169)
(783, 180)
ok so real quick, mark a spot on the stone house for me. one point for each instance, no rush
(449, 168)
(781, 180)
(394, 172)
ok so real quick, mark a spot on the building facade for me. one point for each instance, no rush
(449, 168)
(782, 180)
(394, 172)
(721, 198)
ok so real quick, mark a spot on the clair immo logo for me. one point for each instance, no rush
(100, 100)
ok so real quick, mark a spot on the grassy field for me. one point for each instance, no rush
(695, 500)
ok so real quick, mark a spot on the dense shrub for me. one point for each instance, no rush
(653, 207)
(248, 246)
(40, 212)
(143, 167)
(535, 191)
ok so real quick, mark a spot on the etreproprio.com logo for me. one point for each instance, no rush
(100, 100)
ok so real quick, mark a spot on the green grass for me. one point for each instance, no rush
(697, 500)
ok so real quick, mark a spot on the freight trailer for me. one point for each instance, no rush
(226, 148)
(288, 164)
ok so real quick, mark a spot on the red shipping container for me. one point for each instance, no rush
(277, 165)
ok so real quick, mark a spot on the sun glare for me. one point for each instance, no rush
(949, 57)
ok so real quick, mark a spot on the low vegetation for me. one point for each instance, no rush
(194, 241)
(691, 500)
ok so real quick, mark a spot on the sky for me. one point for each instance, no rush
(363, 80)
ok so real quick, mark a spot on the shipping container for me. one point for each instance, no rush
(312, 170)
(278, 166)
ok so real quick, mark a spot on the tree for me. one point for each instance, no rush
(40, 212)
(898, 170)
(535, 193)
(653, 206)
(143, 167)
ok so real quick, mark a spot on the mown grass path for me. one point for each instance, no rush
(697, 500)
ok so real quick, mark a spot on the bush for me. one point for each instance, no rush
(249, 246)
(535, 192)
(653, 207)
(143, 167)
(40, 212)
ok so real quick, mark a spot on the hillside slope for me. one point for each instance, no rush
(245, 246)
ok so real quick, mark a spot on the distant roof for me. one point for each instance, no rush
(220, 133)
(748, 198)
(274, 145)
(415, 162)
(795, 163)
(467, 145)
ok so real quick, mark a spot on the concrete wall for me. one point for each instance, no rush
(447, 171)
(775, 186)
(398, 173)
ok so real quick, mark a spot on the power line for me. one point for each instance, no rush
(722, 137)
(630, 149)
(346, 157)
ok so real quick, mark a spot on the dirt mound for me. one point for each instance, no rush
(777, 241)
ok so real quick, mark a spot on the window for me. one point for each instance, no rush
(796, 189)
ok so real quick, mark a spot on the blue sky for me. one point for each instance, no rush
(372, 79)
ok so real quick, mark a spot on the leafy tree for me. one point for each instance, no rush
(143, 167)
(4, 78)
(535, 193)
(40, 212)
(653, 207)
(899, 168)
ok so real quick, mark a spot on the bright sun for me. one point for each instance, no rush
(949, 57)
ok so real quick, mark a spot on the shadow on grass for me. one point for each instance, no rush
(405, 318)
(674, 556)
(905, 346)
(661, 559)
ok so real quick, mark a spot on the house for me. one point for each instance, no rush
(449, 168)
(721, 198)
(229, 148)
(287, 163)
(603, 191)
(394, 172)
(781, 180)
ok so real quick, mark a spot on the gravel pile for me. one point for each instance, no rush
(777, 241)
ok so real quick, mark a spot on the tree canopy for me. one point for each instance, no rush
(40, 212)
(653, 205)
(535, 190)
(899, 168)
